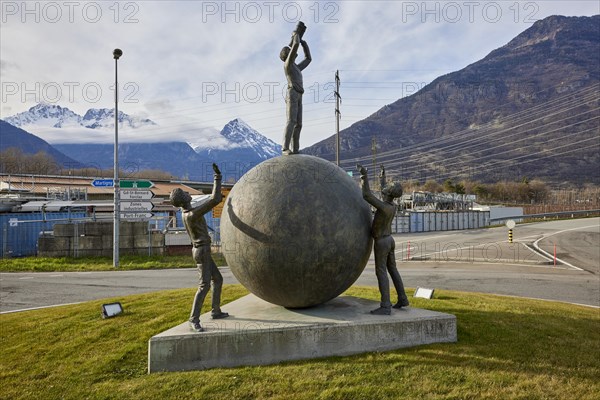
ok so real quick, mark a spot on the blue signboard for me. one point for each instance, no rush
(103, 183)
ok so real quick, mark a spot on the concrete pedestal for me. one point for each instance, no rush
(261, 333)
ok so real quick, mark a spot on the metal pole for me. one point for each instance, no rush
(337, 117)
(4, 240)
(116, 212)
(374, 155)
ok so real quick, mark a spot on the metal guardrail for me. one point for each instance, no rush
(544, 215)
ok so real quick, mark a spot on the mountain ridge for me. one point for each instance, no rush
(555, 60)
(55, 116)
(237, 147)
(15, 137)
(180, 158)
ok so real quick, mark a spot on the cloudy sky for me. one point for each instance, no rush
(192, 66)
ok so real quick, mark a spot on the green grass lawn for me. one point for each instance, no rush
(508, 348)
(66, 264)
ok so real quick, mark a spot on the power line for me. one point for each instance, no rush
(471, 132)
(522, 133)
(451, 160)
(514, 161)
(468, 133)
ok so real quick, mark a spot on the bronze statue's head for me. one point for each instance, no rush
(283, 54)
(392, 190)
(179, 198)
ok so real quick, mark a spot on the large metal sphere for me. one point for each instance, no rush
(296, 231)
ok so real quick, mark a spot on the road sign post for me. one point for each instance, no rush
(135, 184)
(136, 194)
(137, 215)
(136, 204)
(109, 183)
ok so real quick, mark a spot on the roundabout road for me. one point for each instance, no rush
(578, 246)
(475, 261)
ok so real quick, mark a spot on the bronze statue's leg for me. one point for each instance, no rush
(203, 261)
(396, 278)
(292, 113)
(298, 126)
(217, 284)
(381, 250)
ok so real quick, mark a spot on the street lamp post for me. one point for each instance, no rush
(116, 214)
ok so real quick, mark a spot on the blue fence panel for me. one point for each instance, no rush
(20, 231)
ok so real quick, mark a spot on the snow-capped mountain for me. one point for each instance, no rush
(236, 148)
(105, 118)
(239, 132)
(239, 136)
(44, 115)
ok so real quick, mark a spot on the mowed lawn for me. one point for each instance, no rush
(126, 262)
(508, 348)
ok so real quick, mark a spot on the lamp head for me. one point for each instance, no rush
(117, 53)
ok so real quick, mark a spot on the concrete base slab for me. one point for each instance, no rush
(261, 333)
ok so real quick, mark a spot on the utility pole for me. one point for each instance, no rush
(338, 100)
(116, 208)
(374, 152)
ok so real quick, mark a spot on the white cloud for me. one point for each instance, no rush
(190, 69)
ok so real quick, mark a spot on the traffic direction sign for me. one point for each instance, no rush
(103, 183)
(142, 184)
(136, 194)
(137, 215)
(136, 206)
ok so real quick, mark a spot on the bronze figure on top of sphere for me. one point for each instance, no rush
(195, 225)
(295, 89)
(384, 245)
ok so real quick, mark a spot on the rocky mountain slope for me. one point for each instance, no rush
(528, 109)
(12, 136)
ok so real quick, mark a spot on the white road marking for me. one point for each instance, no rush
(537, 247)
(535, 252)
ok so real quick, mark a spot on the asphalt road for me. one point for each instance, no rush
(580, 247)
(477, 261)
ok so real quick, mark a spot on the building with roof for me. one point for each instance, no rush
(31, 205)
(30, 193)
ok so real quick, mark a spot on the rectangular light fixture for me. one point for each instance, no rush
(424, 293)
(111, 309)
